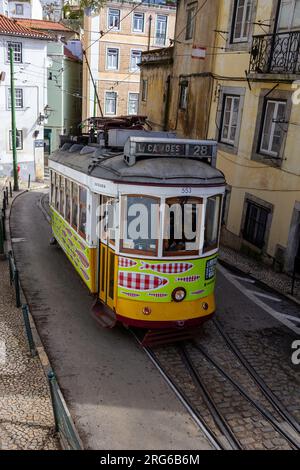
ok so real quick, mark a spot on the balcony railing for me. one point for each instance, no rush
(276, 53)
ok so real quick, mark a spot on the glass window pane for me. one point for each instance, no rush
(82, 211)
(140, 224)
(182, 226)
(74, 205)
(68, 201)
(212, 223)
(62, 195)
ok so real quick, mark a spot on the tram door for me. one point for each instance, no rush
(107, 252)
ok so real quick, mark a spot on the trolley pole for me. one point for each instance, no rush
(13, 119)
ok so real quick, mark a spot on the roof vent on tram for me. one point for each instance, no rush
(86, 150)
(66, 146)
(76, 148)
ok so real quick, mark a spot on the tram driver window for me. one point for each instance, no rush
(140, 224)
(108, 219)
(212, 223)
(182, 226)
(82, 211)
(74, 205)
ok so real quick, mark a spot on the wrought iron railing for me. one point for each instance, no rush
(276, 53)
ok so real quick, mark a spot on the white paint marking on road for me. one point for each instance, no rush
(244, 279)
(278, 316)
(265, 296)
(2, 353)
(294, 319)
(18, 240)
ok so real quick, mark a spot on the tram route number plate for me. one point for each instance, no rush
(169, 149)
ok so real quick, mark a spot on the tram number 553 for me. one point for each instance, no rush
(186, 191)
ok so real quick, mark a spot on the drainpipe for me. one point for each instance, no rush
(166, 113)
(149, 32)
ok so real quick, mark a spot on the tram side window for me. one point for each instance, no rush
(62, 195)
(68, 201)
(52, 188)
(57, 192)
(74, 205)
(182, 226)
(212, 223)
(140, 224)
(82, 211)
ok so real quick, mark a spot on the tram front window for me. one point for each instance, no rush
(182, 226)
(212, 223)
(140, 232)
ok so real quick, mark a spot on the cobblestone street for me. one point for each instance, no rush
(26, 420)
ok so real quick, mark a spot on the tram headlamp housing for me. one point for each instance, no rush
(179, 294)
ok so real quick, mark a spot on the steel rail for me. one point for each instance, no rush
(210, 403)
(212, 439)
(267, 392)
(261, 409)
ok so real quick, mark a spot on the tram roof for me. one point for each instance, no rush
(161, 171)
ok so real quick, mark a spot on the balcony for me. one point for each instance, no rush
(276, 54)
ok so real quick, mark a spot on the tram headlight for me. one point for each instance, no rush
(179, 294)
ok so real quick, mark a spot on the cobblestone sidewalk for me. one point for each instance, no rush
(26, 420)
(278, 281)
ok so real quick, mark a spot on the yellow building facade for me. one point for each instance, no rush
(234, 78)
(114, 40)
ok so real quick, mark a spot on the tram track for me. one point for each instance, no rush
(217, 428)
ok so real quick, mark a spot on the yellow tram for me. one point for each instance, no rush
(138, 215)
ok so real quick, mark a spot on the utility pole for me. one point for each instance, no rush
(13, 119)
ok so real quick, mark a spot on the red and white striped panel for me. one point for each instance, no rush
(126, 263)
(141, 282)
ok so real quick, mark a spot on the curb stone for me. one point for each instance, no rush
(43, 357)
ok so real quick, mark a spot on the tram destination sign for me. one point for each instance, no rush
(170, 148)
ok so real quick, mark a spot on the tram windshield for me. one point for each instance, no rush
(182, 226)
(140, 231)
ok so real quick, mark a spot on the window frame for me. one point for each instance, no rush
(18, 5)
(212, 248)
(113, 28)
(183, 95)
(21, 147)
(185, 253)
(157, 39)
(134, 30)
(13, 44)
(136, 101)
(241, 39)
(124, 211)
(132, 52)
(80, 206)
(117, 49)
(17, 89)
(252, 241)
(224, 140)
(260, 150)
(190, 16)
(116, 102)
(144, 95)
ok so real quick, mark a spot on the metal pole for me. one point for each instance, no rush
(28, 330)
(95, 104)
(52, 383)
(13, 119)
(93, 81)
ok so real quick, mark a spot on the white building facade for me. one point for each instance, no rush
(30, 72)
(22, 9)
